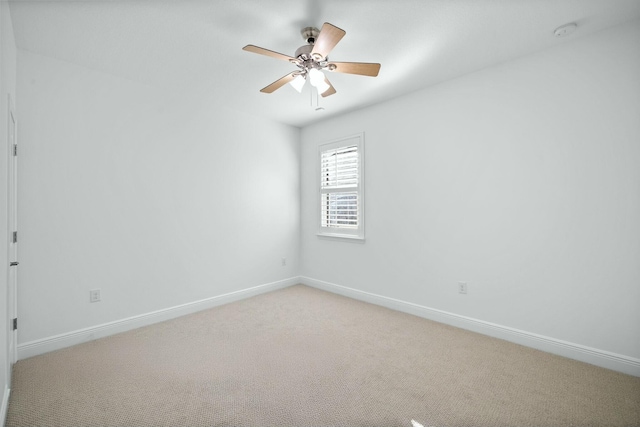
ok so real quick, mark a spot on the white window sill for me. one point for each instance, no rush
(337, 236)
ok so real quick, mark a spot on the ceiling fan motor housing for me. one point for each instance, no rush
(306, 60)
(304, 52)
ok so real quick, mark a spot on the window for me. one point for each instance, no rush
(341, 188)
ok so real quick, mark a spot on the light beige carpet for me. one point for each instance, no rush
(304, 357)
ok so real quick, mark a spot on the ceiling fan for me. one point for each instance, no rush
(312, 58)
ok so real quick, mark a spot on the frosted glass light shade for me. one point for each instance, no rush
(298, 82)
(317, 79)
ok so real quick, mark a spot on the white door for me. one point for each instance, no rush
(12, 306)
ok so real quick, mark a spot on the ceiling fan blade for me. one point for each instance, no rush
(267, 52)
(279, 83)
(328, 38)
(360, 68)
(329, 91)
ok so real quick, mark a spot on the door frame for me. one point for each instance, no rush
(12, 224)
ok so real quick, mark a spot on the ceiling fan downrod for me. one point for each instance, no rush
(310, 34)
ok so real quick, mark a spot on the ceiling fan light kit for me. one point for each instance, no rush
(312, 58)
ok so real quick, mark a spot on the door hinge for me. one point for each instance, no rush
(15, 323)
(15, 237)
(15, 149)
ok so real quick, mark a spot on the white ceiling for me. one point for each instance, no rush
(195, 46)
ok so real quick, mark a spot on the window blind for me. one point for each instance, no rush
(339, 182)
(339, 167)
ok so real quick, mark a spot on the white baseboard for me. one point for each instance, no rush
(602, 358)
(605, 359)
(45, 345)
(5, 406)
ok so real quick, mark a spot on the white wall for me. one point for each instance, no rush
(522, 179)
(7, 88)
(156, 199)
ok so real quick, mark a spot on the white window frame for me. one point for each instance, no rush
(336, 232)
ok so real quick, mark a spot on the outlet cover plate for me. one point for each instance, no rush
(462, 287)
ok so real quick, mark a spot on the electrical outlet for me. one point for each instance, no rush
(462, 287)
(94, 295)
(284, 262)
